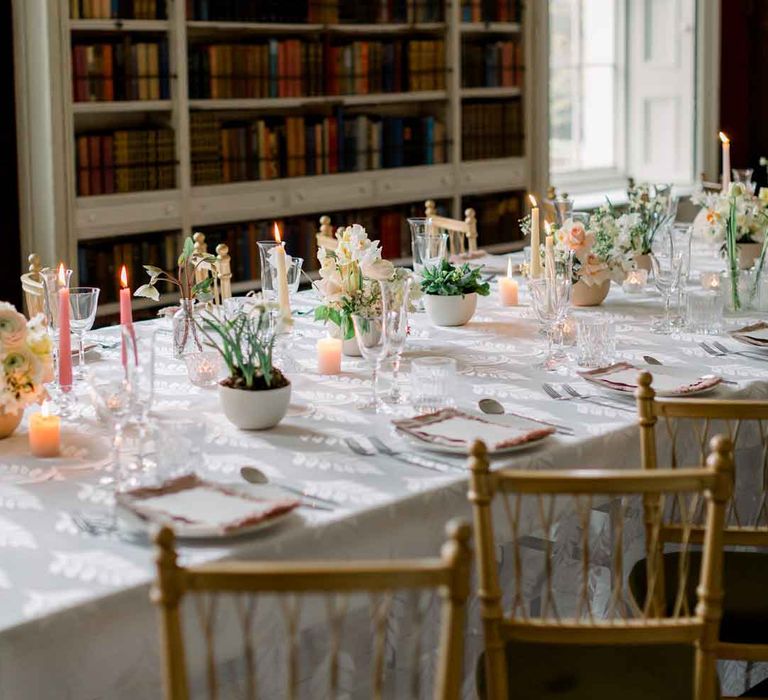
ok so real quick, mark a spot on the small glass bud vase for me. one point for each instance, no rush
(186, 335)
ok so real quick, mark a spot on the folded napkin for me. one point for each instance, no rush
(756, 334)
(202, 506)
(454, 428)
(667, 380)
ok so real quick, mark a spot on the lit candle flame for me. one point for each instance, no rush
(62, 275)
(533, 201)
(123, 277)
(548, 227)
(277, 234)
(45, 409)
(724, 138)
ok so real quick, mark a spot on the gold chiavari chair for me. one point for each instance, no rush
(325, 237)
(744, 627)
(248, 581)
(569, 642)
(462, 235)
(219, 267)
(33, 288)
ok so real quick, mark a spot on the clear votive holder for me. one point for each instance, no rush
(203, 368)
(595, 342)
(635, 281)
(704, 311)
(710, 280)
(434, 380)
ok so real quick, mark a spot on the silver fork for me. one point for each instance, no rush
(550, 391)
(605, 403)
(106, 526)
(746, 353)
(418, 460)
(360, 449)
(710, 350)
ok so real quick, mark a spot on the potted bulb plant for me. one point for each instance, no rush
(450, 293)
(255, 395)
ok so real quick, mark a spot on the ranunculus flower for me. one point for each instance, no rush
(378, 269)
(13, 327)
(576, 238)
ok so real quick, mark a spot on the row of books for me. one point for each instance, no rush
(99, 262)
(499, 64)
(117, 9)
(492, 129)
(491, 10)
(276, 147)
(296, 68)
(498, 216)
(120, 71)
(316, 11)
(125, 161)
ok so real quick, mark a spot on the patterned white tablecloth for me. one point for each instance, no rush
(75, 619)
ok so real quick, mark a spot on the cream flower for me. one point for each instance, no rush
(576, 238)
(594, 271)
(13, 327)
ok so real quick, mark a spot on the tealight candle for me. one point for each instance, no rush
(710, 280)
(508, 288)
(329, 355)
(44, 433)
(635, 281)
(203, 367)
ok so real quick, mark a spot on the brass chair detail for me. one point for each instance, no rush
(325, 237)
(744, 627)
(33, 288)
(563, 644)
(462, 235)
(247, 581)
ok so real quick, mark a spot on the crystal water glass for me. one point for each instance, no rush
(563, 210)
(268, 287)
(371, 336)
(595, 342)
(666, 264)
(549, 298)
(395, 298)
(704, 311)
(428, 246)
(434, 381)
(744, 177)
(83, 302)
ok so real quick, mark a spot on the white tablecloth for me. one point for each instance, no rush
(75, 619)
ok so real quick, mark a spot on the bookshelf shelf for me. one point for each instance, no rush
(77, 228)
(122, 106)
(491, 28)
(119, 25)
(490, 92)
(200, 29)
(299, 102)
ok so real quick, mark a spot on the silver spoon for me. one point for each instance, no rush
(492, 407)
(255, 476)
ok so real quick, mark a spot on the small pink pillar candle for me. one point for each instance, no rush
(329, 355)
(65, 339)
(126, 313)
(44, 433)
(508, 288)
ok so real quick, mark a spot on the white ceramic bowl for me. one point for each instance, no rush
(255, 410)
(450, 311)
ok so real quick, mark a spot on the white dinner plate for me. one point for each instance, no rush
(461, 450)
(669, 370)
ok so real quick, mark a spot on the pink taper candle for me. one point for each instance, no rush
(65, 339)
(126, 313)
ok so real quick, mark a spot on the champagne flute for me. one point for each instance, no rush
(371, 335)
(666, 262)
(395, 297)
(83, 302)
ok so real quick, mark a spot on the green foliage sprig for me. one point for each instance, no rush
(188, 262)
(448, 280)
(245, 342)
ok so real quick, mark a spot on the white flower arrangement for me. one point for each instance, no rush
(349, 277)
(602, 249)
(25, 359)
(751, 213)
(654, 207)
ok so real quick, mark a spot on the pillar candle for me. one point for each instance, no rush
(726, 161)
(549, 254)
(65, 340)
(329, 355)
(535, 271)
(283, 297)
(126, 313)
(44, 433)
(508, 287)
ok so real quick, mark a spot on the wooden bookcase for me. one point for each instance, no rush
(55, 220)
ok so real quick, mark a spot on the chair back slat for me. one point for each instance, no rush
(572, 589)
(292, 584)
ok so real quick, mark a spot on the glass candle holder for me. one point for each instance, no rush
(635, 281)
(433, 379)
(203, 368)
(595, 342)
(704, 311)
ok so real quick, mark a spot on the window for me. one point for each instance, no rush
(621, 92)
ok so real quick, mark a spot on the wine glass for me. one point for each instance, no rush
(432, 248)
(371, 335)
(83, 302)
(140, 370)
(395, 299)
(549, 298)
(666, 262)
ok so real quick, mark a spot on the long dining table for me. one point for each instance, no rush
(76, 621)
